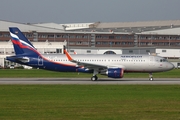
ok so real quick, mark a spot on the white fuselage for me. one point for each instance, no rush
(130, 63)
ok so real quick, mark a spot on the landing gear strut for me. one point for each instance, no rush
(94, 77)
(151, 77)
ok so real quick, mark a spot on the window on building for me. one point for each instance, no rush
(118, 37)
(79, 43)
(105, 37)
(117, 43)
(109, 52)
(58, 36)
(50, 36)
(123, 43)
(98, 43)
(71, 43)
(98, 37)
(148, 51)
(42, 36)
(111, 37)
(105, 43)
(88, 51)
(85, 43)
(130, 51)
(58, 51)
(64, 36)
(71, 36)
(71, 50)
(163, 50)
(6, 35)
(78, 36)
(85, 36)
(29, 35)
(177, 38)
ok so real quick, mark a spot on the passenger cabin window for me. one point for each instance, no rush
(88, 51)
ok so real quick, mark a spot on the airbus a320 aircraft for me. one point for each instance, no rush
(113, 66)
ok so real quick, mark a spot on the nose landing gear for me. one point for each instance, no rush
(151, 77)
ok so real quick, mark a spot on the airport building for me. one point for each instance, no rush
(160, 37)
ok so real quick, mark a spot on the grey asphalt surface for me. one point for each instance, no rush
(129, 81)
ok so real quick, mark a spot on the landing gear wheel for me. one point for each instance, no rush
(94, 78)
(151, 79)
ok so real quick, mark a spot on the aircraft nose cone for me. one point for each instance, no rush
(171, 66)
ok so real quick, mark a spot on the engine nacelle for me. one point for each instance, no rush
(115, 72)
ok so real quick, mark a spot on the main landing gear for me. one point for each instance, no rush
(94, 77)
(151, 77)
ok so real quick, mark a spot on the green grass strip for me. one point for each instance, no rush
(93, 102)
(34, 73)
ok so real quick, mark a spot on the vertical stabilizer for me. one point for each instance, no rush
(21, 44)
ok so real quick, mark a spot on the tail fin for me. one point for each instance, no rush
(21, 43)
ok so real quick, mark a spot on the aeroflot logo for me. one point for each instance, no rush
(21, 41)
(131, 56)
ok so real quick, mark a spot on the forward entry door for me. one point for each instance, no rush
(151, 60)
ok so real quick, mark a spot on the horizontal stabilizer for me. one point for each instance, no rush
(18, 59)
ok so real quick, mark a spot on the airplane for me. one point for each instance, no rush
(113, 66)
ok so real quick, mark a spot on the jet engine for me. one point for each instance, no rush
(115, 72)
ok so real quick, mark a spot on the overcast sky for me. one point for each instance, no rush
(83, 11)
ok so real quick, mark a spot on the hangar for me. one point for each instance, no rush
(161, 37)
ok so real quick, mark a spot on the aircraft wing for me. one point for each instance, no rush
(90, 66)
(86, 65)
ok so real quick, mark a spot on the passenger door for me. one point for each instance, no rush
(40, 61)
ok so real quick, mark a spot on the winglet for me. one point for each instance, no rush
(68, 55)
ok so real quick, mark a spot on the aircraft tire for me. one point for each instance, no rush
(151, 79)
(94, 78)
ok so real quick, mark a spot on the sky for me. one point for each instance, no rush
(85, 11)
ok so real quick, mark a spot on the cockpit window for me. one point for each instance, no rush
(163, 60)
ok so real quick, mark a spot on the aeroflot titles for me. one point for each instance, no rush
(127, 56)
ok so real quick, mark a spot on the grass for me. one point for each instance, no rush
(20, 73)
(93, 102)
